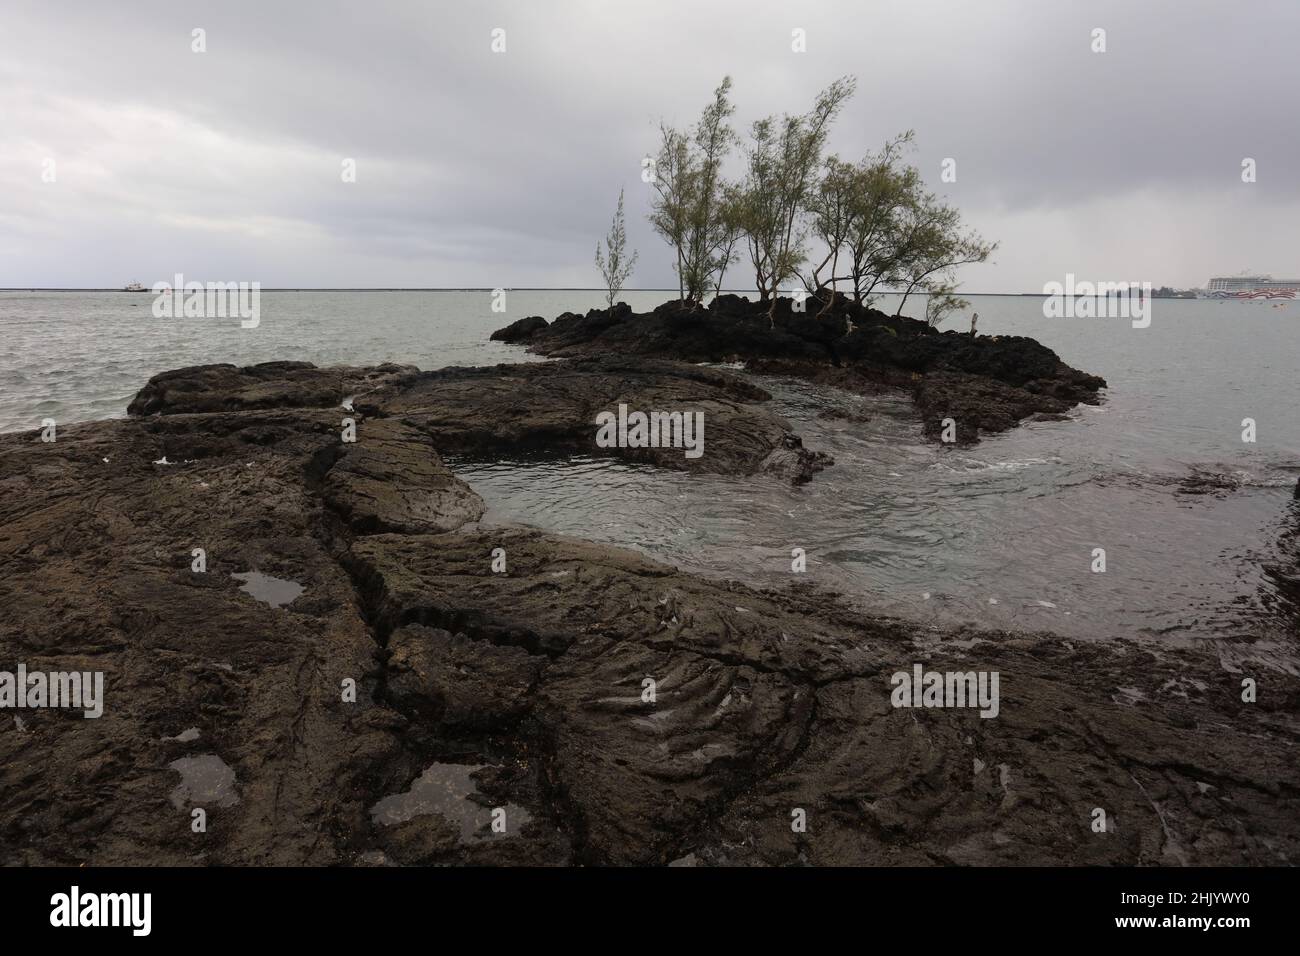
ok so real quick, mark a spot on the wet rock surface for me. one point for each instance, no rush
(765, 703)
(96, 555)
(613, 709)
(509, 410)
(395, 481)
(552, 408)
(222, 388)
(986, 384)
(1208, 483)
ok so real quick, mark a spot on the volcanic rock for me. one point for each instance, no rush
(617, 710)
(987, 384)
(520, 331)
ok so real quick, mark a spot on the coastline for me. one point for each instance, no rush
(767, 701)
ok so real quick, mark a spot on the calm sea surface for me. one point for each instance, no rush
(999, 535)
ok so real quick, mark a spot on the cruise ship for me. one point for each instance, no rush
(1252, 287)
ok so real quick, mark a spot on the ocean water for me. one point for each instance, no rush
(1001, 534)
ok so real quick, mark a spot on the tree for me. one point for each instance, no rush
(615, 264)
(782, 160)
(759, 210)
(831, 219)
(671, 208)
(891, 232)
(879, 191)
(688, 210)
(875, 223)
(931, 245)
(731, 229)
(707, 232)
(942, 299)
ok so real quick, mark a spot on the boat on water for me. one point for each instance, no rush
(1251, 287)
(135, 287)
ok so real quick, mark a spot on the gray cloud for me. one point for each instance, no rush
(482, 169)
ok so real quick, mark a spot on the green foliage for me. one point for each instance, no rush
(931, 244)
(782, 160)
(942, 300)
(873, 223)
(690, 209)
(614, 263)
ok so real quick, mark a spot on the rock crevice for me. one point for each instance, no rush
(618, 710)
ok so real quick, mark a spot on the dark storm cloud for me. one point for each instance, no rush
(476, 168)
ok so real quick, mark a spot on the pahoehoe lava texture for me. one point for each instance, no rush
(765, 701)
(532, 408)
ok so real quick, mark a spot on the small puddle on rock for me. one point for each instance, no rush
(445, 789)
(206, 780)
(276, 592)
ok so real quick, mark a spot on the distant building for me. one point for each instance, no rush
(1252, 287)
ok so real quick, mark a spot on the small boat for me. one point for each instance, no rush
(135, 287)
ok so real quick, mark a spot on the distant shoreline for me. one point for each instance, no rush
(1041, 295)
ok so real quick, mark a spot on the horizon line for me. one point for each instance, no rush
(304, 288)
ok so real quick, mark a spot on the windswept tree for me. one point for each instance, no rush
(614, 263)
(830, 210)
(689, 209)
(731, 231)
(941, 300)
(877, 218)
(931, 246)
(708, 229)
(872, 223)
(670, 210)
(880, 191)
(782, 161)
(759, 209)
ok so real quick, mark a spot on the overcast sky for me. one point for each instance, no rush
(482, 169)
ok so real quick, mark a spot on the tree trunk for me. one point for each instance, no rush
(903, 302)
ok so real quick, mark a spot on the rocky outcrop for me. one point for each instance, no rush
(427, 672)
(532, 408)
(520, 331)
(229, 388)
(985, 384)
(552, 408)
(395, 481)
